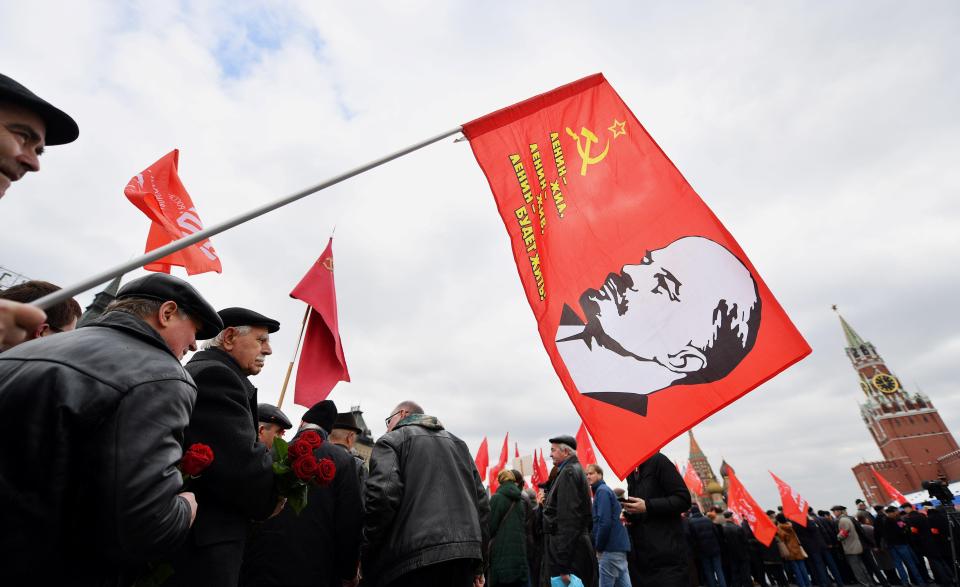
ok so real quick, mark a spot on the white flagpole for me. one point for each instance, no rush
(68, 292)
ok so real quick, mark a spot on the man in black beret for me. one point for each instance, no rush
(238, 487)
(568, 516)
(272, 423)
(27, 123)
(92, 491)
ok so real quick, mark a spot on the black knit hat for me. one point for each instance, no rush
(323, 414)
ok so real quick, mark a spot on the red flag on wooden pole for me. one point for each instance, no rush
(794, 506)
(483, 458)
(158, 193)
(584, 447)
(651, 313)
(322, 363)
(741, 502)
(890, 490)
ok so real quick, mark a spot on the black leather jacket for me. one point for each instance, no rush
(94, 422)
(424, 501)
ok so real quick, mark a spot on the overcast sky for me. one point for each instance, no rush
(824, 135)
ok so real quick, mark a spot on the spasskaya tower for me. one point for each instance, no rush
(915, 443)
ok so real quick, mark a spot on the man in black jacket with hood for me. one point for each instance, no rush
(238, 487)
(658, 497)
(89, 489)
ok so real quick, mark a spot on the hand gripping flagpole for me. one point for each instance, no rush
(181, 243)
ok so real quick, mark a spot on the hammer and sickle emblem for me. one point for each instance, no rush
(327, 264)
(584, 148)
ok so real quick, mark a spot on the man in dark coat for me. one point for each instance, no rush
(657, 499)
(426, 510)
(568, 517)
(705, 537)
(320, 546)
(89, 488)
(736, 553)
(238, 487)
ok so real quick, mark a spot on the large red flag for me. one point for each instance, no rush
(322, 363)
(651, 313)
(483, 458)
(504, 452)
(794, 506)
(584, 447)
(159, 194)
(692, 480)
(743, 504)
(888, 487)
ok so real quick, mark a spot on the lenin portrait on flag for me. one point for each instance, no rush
(684, 314)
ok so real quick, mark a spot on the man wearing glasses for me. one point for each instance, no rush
(426, 508)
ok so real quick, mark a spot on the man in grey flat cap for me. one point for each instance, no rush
(27, 123)
(91, 491)
(238, 486)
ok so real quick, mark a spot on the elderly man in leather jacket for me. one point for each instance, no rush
(426, 510)
(95, 417)
(568, 517)
(238, 487)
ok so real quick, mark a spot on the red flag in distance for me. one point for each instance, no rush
(158, 192)
(692, 480)
(322, 363)
(741, 502)
(889, 489)
(794, 506)
(585, 447)
(504, 452)
(651, 313)
(483, 458)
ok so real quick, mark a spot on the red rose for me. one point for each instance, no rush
(197, 458)
(298, 448)
(327, 472)
(305, 468)
(311, 437)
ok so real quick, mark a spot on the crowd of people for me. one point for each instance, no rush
(93, 489)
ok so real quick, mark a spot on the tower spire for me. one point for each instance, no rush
(694, 447)
(853, 339)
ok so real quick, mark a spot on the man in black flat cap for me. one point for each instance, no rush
(344, 435)
(91, 491)
(568, 517)
(27, 123)
(320, 546)
(238, 487)
(272, 423)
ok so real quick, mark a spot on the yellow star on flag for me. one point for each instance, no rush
(618, 128)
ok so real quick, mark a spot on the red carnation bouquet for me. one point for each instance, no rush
(295, 467)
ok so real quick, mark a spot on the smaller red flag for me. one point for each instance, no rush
(516, 450)
(692, 480)
(794, 506)
(535, 478)
(493, 482)
(544, 472)
(584, 447)
(158, 193)
(322, 363)
(504, 452)
(890, 490)
(483, 458)
(743, 504)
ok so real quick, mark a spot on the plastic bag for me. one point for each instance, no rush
(558, 582)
